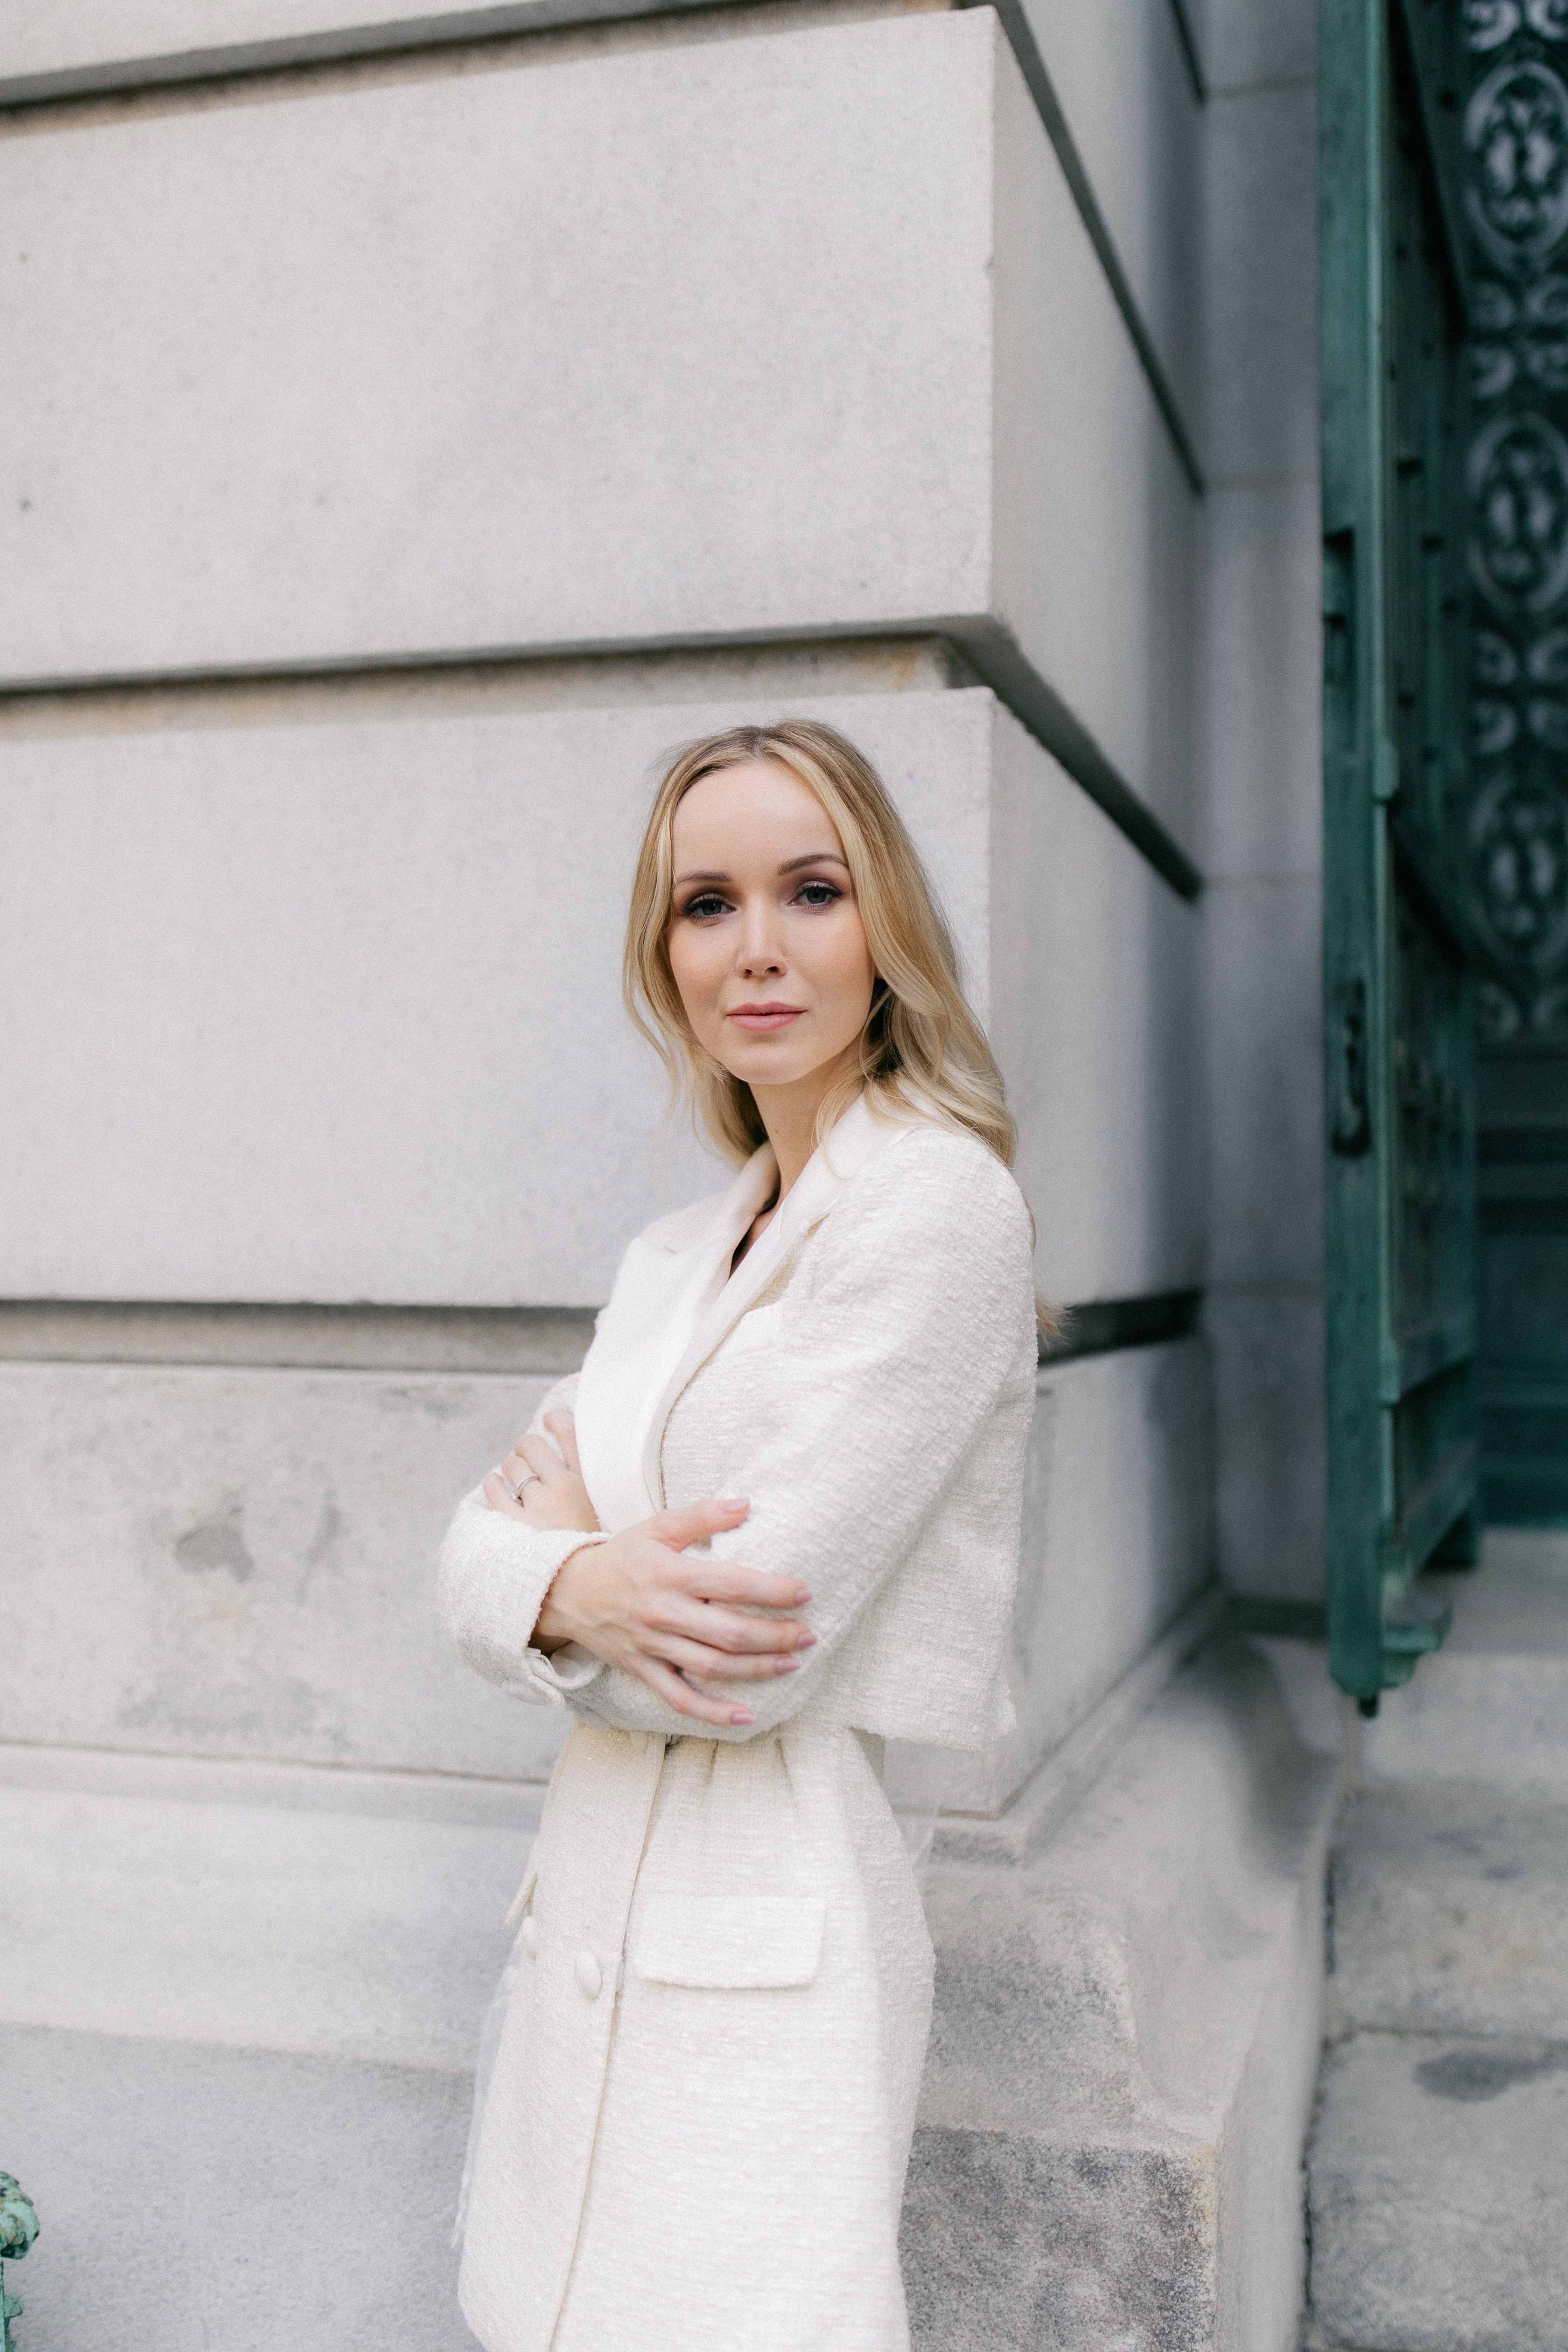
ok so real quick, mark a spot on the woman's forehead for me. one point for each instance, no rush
(754, 803)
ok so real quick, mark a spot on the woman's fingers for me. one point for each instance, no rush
(677, 1692)
(724, 1630)
(540, 1455)
(726, 1579)
(563, 1428)
(695, 1523)
(535, 1458)
(500, 1497)
(719, 1665)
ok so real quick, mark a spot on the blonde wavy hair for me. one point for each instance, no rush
(922, 1051)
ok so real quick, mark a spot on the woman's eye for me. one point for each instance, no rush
(710, 903)
(819, 894)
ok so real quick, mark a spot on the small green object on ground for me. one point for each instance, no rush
(18, 2228)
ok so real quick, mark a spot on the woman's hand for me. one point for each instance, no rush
(677, 1618)
(554, 1496)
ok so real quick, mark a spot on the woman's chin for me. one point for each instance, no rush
(762, 1065)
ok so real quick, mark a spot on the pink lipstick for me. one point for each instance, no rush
(763, 1017)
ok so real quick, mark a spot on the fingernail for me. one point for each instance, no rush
(740, 1716)
(804, 1640)
(801, 1597)
(785, 1666)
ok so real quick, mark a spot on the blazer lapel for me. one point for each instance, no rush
(669, 1276)
(858, 1138)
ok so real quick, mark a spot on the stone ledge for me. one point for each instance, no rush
(199, 1910)
(390, 31)
(503, 1339)
(467, 1799)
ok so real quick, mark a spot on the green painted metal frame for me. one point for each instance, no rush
(1398, 994)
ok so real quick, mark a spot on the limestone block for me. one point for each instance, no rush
(233, 1561)
(441, 392)
(1265, 692)
(242, 1563)
(1094, 523)
(1126, 2044)
(255, 1923)
(1271, 1442)
(1093, 996)
(340, 995)
(1263, 943)
(230, 1561)
(1450, 1914)
(245, 2198)
(407, 363)
(1261, 283)
(1116, 1540)
(362, 980)
(1125, 87)
(1437, 2179)
(1491, 1707)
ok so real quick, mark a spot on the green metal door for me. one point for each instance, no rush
(1516, 213)
(1398, 988)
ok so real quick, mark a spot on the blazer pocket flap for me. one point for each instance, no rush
(730, 1943)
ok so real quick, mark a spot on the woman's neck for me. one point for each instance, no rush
(788, 1116)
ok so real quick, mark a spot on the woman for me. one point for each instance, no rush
(773, 1522)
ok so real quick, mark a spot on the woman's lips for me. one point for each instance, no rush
(764, 1016)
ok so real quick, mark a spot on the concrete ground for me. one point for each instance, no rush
(217, 2200)
(1438, 2163)
(236, 2046)
(1440, 2182)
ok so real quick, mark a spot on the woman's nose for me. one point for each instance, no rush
(761, 948)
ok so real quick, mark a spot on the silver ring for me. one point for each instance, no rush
(517, 1491)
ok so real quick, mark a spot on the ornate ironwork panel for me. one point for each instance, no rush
(1399, 989)
(1515, 167)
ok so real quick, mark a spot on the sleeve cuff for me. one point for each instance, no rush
(494, 1573)
(553, 1680)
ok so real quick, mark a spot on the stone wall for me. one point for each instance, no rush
(411, 443)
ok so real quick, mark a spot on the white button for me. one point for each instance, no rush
(590, 1976)
(530, 1939)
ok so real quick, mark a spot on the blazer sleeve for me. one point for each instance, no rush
(913, 1324)
(491, 1583)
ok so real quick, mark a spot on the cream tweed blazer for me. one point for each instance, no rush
(699, 2122)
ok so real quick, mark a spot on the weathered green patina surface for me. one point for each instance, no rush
(18, 2228)
(1398, 988)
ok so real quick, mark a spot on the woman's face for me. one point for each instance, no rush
(765, 940)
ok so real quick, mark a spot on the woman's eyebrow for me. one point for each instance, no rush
(791, 864)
